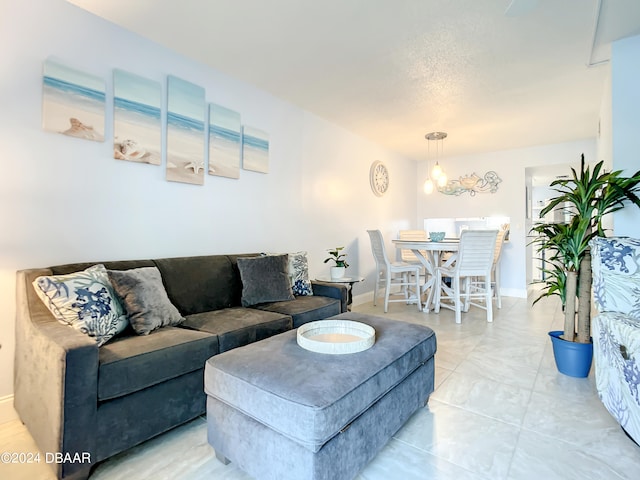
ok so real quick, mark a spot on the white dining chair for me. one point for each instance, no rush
(478, 283)
(400, 274)
(473, 259)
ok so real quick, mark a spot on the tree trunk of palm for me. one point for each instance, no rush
(570, 305)
(584, 300)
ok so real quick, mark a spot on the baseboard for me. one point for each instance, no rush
(367, 297)
(363, 298)
(514, 292)
(7, 412)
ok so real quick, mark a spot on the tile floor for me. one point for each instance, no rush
(500, 411)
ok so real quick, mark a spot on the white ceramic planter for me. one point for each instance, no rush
(337, 272)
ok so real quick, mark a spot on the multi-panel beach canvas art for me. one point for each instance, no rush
(137, 131)
(185, 131)
(73, 102)
(255, 150)
(225, 142)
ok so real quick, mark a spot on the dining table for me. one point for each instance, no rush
(430, 254)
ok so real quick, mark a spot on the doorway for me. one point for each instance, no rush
(538, 193)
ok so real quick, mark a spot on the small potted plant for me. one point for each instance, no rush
(336, 256)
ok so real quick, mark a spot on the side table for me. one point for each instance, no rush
(348, 281)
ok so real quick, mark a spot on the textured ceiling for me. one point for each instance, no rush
(393, 70)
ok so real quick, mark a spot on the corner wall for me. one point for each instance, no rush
(64, 199)
(625, 105)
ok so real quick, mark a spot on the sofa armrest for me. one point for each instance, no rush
(55, 379)
(332, 290)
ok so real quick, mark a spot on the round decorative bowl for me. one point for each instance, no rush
(336, 337)
(436, 236)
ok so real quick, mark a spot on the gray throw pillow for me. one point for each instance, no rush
(144, 298)
(265, 279)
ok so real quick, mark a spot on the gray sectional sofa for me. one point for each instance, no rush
(77, 398)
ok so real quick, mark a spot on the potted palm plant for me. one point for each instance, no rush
(338, 258)
(587, 197)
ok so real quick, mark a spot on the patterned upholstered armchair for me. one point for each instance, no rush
(616, 329)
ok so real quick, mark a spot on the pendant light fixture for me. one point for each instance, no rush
(437, 174)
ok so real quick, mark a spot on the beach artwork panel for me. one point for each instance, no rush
(225, 142)
(137, 131)
(255, 150)
(73, 102)
(185, 131)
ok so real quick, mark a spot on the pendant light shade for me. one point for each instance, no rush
(437, 174)
(442, 180)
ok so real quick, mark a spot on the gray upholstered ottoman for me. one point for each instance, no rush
(281, 412)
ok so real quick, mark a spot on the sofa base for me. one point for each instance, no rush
(130, 420)
(266, 454)
(615, 350)
(630, 437)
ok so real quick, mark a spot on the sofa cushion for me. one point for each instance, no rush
(142, 293)
(265, 279)
(238, 326)
(84, 300)
(130, 363)
(305, 309)
(201, 284)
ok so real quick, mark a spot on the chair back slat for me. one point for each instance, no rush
(499, 241)
(406, 254)
(476, 253)
(413, 235)
(378, 249)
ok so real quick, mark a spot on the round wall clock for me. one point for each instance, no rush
(379, 178)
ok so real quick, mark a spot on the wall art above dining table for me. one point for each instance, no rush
(472, 184)
(74, 104)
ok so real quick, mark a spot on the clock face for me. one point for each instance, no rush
(379, 178)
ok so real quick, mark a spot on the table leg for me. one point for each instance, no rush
(428, 264)
(434, 256)
(349, 295)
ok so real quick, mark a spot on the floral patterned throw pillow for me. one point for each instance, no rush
(299, 274)
(85, 301)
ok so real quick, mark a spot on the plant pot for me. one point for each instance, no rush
(337, 272)
(572, 358)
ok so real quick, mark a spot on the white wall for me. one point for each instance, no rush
(605, 136)
(65, 200)
(508, 201)
(625, 101)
